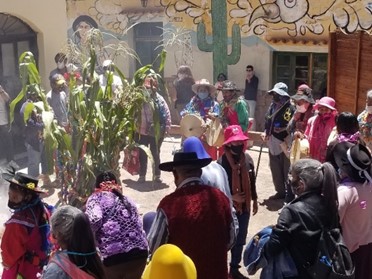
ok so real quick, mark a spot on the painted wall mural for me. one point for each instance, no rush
(273, 20)
(279, 20)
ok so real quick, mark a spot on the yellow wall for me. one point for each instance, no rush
(273, 25)
(301, 27)
(48, 19)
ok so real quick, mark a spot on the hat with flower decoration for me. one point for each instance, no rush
(25, 181)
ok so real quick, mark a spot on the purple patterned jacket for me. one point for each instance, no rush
(116, 224)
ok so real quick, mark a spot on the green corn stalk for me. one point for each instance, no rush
(219, 43)
(101, 124)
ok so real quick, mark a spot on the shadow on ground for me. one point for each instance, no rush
(147, 186)
(272, 205)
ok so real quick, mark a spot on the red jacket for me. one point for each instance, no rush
(199, 220)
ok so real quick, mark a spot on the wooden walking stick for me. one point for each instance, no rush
(259, 158)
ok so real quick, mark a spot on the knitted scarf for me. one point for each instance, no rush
(240, 179)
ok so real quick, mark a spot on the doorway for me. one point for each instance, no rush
(16, 37)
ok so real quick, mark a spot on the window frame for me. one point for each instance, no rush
(291, 79)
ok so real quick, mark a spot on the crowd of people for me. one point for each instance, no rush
(207, 216)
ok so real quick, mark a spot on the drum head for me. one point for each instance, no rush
(192, 125)
(299, 150)
(214, 133)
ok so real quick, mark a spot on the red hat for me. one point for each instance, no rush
(234, 133)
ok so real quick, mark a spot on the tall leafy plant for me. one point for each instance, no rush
(102, 122)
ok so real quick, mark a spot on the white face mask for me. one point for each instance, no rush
(369, 109)
(60, 65)
(301, 108)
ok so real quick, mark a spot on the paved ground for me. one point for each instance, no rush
(147, 195)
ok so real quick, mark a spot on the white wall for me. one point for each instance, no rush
(48, 19)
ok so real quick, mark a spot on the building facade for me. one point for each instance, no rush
(285, 40)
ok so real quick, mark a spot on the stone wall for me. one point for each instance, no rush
(263, 103)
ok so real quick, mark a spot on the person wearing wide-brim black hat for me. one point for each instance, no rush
(355, 203)
(25, 245)
(194, 213)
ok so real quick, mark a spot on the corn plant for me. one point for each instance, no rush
(102, 123)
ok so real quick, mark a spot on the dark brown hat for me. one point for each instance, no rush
(189, 159)
(25, 181)
(304, 93)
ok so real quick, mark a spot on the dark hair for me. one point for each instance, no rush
(222, 75)
(105, 176)
(347, 123)
(68, 225)
(26, 192)
(249, 67)
(109, 176)
(83, 18)
(183, 72)
(60, 56)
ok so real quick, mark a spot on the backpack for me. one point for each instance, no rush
(333, 259)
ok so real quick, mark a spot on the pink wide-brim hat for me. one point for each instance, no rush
(234, 133)
(326, 102)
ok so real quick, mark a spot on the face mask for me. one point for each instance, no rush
(325, 116)
(369, 109)
(237, 149)
(295, 187)
(301, 109)
(276, 98)
(203, 95)
(60, 65)
(13, 205)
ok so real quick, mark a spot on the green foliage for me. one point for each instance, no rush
(218, 46)
(102, 122)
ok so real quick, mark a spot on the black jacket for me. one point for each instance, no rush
(298, 231)
(278, 118)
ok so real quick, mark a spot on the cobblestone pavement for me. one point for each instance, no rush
(148, 194)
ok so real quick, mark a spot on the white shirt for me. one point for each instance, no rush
(116, 85)
(3, 112)
(215, 175)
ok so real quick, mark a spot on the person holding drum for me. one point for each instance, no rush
(203, 105)
(233, 109)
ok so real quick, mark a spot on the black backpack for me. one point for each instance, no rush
(333, 260)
